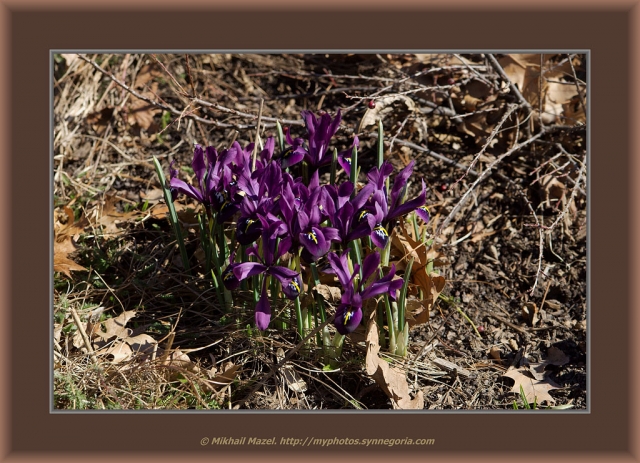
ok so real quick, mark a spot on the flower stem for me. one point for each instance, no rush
(334, 162)
(354, 170)
(380, 144)
(280, 136)
(173, 216)
(299, 321)
(403, 296)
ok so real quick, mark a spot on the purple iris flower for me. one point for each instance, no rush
(349, 312)
(215, 184)
(228, 277)
(319, 134)
(380, 210)
(341, 210)
(289, 279)
(205, 187)
(173, 173)
(295, 153)
(261, 188)
(344, 157)
(303, 215)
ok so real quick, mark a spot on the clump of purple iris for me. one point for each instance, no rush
(349, 312)
(282, 214)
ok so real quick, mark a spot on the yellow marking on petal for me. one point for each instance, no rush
(312, 236)
(249, 222)
(381, 230)
(347, 316)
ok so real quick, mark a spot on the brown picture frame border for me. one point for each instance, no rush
(31, 29)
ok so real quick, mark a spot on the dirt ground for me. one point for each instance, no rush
(506, 191)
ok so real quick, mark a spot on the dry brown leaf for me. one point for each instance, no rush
(159, 211)
(573, 110)
(116, 352)
(109, 217)
(116, 327)
(408, 248)
(385, 106)
(416, 312)
(432, 285)
(139, 111)
(534, 379)
(291, 376)
(530, 313)
(99, 120)
(153, 194)
(330, 293)
(525, 74)
(142, 343)
(63, 264)
(147, 73)
(391, 380)
(70, 227)
(536, 390)
(63, 244)
(142, 113)
(495, 353)
(70, 58)
(179, 360)
(226, 377)
(556, 357)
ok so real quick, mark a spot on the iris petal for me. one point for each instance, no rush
(263, 309)
(315, 242)
(347, 318)
(248, 230)
(229, 279)
(423, 213)
(292, 287)
(379, 236)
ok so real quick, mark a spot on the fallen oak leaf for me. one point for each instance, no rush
(416, 312)
(391, 380)
(107, 216)
(533, 378)
(535, 390)
(432, 285)
(554, 357)
(63, 264)
(225, 378)
(383, 107)
(115, 327)
(329, 293)
(178, 361)
(408, 248)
